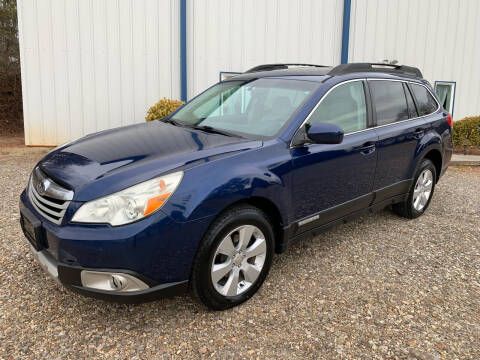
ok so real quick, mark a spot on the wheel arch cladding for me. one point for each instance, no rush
(430, 147)
(435, 156)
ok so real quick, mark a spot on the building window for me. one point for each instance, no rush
(225, 75)
(446, 94)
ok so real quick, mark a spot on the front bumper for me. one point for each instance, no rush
(158, 251)
(70, 277)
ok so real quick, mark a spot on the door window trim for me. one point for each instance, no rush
(414, 99)
(374, 106)
(368, 101)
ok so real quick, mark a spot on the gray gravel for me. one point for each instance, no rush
(377, 288)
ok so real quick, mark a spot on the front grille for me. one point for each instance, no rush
(47, 197)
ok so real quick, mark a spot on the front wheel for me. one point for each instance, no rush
(234, 258)
(421, 192)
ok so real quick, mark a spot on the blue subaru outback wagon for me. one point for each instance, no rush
(203, 198)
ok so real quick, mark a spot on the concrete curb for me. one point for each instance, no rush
(464, 163)
(465, 160)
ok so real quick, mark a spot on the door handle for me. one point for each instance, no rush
(367, 148)
(418, 134)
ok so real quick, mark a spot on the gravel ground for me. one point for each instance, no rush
(379, 287)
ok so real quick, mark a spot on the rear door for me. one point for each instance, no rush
(333, 180)
(400, 129)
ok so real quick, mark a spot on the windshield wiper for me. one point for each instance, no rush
(213, 130)
(171, 121)
(205, 128)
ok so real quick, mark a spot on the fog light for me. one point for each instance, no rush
(118, 282)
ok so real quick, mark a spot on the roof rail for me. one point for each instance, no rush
(375, 67)
(270, 67)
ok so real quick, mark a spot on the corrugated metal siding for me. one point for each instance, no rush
(89, 65)
(441, 37)
(234, 35)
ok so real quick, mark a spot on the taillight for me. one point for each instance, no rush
(449, 120)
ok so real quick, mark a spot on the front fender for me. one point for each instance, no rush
(208, 189)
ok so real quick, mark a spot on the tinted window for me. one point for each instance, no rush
(343, 106)
(425, 102)
(412, 110)
(389, 100)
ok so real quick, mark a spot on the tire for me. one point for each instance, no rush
(412, 208)
(227, 235)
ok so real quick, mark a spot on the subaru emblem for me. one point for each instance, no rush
(43, 186)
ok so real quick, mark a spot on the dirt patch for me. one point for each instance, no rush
(14, 140)
(379, 287)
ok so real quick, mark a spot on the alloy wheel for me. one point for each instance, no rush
(423, 189)
(238, 260)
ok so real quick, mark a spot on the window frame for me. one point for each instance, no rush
(368, 105)
(407, 83)
(452, 84)
(367, 100)
(374, 110)
(371, 116)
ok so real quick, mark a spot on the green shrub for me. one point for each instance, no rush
(162, 108)
(467, 131)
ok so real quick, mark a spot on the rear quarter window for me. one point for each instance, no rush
(426, 104)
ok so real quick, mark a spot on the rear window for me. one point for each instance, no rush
(425, 102)
(389, 101)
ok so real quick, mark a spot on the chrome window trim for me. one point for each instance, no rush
(373, 127)
(414, 83)
(318, 104)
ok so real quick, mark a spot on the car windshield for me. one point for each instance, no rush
(258, 107)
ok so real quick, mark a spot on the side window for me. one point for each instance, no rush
(344, 106)
(389, 101)
(425, 101)
(412, 110)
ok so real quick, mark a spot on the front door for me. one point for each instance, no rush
(331, 181)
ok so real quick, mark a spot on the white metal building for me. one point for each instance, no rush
(89, 65)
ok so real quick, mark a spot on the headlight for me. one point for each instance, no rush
(131, 204)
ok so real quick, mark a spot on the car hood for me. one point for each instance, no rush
(109, 161)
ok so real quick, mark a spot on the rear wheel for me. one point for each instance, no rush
(420, 194)
(234, 258)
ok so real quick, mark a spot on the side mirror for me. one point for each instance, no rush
(325, 133)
